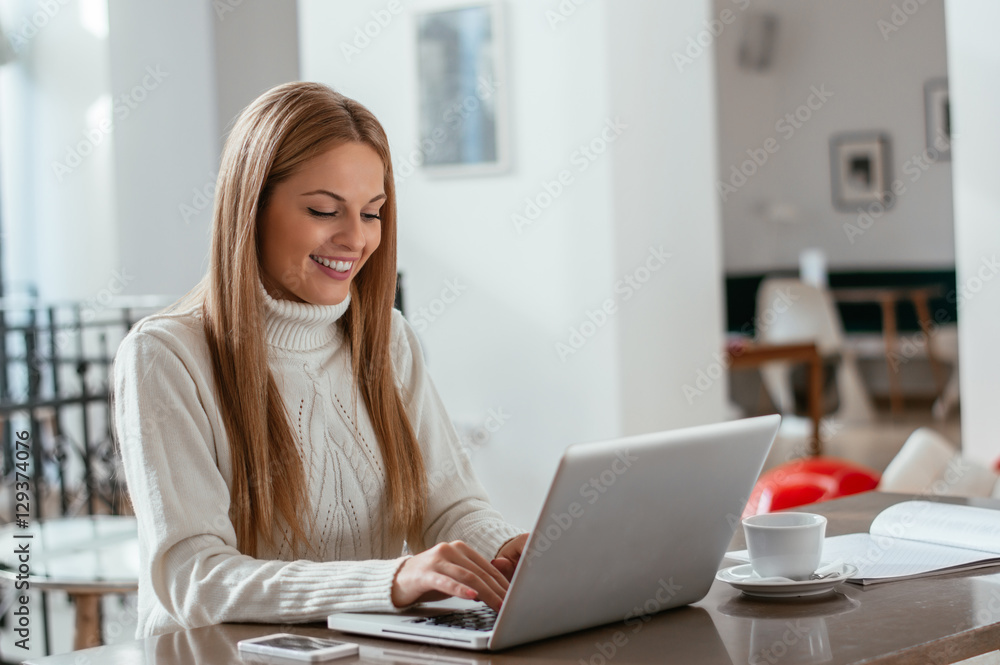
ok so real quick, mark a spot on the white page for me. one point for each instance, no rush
(879, 557)
(968, 527)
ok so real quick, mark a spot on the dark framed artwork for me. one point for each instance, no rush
(937, 116)
(859, 169)
(461, 88)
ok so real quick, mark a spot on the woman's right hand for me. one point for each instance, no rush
(448, 569)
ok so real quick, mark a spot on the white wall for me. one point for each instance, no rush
(256, 48)
(876, 76)
(16, 134)
(664, 197)
(974, 67)
(210, 60)
(495, 347)
(168, 144)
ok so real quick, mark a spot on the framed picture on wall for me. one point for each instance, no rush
(937, 115)
(859, 167)
(462, 115)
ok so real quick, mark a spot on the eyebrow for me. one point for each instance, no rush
(338, 196)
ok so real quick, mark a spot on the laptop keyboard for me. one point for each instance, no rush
(478, 619)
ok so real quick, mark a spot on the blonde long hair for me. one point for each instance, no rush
(272, 138)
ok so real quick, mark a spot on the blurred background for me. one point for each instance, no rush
(606, 210)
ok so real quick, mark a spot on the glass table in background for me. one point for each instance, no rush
(87, 557)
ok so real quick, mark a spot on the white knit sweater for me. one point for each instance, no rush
(178, 468)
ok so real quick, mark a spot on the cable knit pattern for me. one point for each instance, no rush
(177, 465)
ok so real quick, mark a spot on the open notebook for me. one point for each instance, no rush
(916, 539)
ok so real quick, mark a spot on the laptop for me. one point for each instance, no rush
(630, 527)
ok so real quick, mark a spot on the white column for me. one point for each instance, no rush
(166, 140)
(974, 69)
(670, 323)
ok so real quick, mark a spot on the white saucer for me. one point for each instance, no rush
(743, 578)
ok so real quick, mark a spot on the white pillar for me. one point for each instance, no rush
(973, 69)
(671, 328)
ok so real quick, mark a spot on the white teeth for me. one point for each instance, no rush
(339, 266)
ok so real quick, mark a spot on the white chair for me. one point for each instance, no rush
(929, 464)
(790, 311)
(945, 342)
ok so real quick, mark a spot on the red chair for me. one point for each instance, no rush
(808, 480)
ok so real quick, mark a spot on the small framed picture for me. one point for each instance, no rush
(937, 115)
(859, 167)
(461, 87)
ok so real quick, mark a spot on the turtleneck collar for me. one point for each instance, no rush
(300, 326)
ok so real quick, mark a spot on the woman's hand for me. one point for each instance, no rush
(449, 569)
(509, 555)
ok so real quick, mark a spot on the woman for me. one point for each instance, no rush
(277, 424)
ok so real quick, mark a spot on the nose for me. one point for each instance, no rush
(350, 234)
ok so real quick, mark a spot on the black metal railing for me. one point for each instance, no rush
(55, 362)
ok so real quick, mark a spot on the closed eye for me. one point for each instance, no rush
(367, 216)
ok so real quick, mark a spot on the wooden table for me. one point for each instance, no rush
(87, 557)
(938, 620)
(887, 297)
(750, 354)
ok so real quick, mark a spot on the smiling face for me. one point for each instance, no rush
(321, 224)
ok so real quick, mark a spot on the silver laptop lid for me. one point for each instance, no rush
(633, 526)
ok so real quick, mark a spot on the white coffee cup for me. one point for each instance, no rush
(785, 544)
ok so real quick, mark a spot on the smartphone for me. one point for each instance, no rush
(298, 647)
